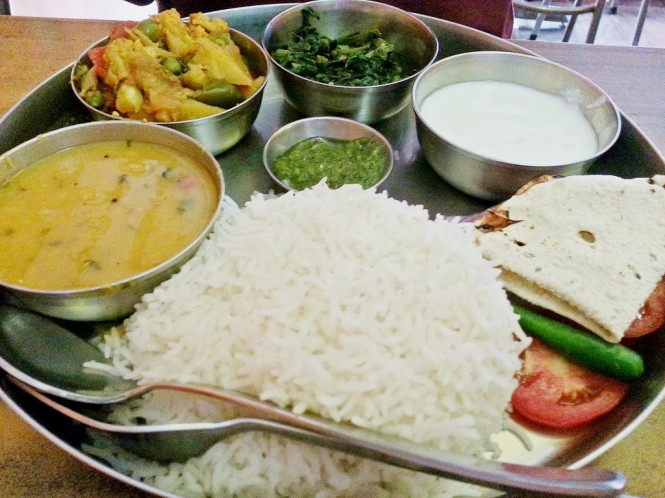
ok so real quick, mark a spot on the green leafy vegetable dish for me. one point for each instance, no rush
(361, 161)
(362, 58)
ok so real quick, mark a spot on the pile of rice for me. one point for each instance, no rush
(345, 303)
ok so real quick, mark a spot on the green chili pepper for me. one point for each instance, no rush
(220, 93)
(585, 348)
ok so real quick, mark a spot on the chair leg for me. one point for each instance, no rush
(539, 21)
(595, 21)
(571, 23)
(641, 17)
(536, 27)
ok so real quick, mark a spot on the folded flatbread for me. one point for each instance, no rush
(590, 248)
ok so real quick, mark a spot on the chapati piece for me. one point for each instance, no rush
(590, 248)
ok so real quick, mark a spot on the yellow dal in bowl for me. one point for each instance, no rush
(99, 213)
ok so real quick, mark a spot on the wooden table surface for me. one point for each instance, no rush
(32, 49)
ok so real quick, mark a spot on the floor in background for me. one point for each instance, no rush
(81, 9)
(614, 29)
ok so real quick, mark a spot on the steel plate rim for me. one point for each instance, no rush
(494, 43)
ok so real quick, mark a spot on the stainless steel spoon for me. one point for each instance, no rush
(43, 357)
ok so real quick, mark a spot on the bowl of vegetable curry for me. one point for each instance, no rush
(199, 77)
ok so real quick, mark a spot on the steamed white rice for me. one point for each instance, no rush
(346, 303)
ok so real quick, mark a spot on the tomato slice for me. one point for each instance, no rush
(557, 393)
(118, 31)
(652, 316)
(97, 56)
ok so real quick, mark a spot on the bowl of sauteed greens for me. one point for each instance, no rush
(350, 58)
(199, 77)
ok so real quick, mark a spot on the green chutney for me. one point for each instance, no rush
(303, 165)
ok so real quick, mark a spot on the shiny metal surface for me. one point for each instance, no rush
(219, 132)
(488, 178)
(415, 47)
(115, 300)
(52, 105)
(327, 127)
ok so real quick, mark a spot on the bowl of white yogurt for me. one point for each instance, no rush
(489, 122)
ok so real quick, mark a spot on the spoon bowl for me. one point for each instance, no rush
(41, 357)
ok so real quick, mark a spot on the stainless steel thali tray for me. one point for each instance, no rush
(51, 105)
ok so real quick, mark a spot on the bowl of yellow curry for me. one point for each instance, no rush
(93, 216)
(199, 77)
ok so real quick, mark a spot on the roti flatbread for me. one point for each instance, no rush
(590, 248)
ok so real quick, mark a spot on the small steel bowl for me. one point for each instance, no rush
(216, 133)
(327, 127)
(416, 47)
(117, 299)
(488, 178)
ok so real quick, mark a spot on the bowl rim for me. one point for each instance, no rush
(298, 7)
(231, 111)
(537, 60)
(218, 178)
(371, 132)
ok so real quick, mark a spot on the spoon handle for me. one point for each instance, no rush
(187, 440)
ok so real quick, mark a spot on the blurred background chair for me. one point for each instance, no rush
(492, 16)
(641, 17)
(564, 11)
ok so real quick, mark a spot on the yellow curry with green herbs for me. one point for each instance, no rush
(96, 214)
(163, 69)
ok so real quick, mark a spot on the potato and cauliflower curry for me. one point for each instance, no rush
(162, 69)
